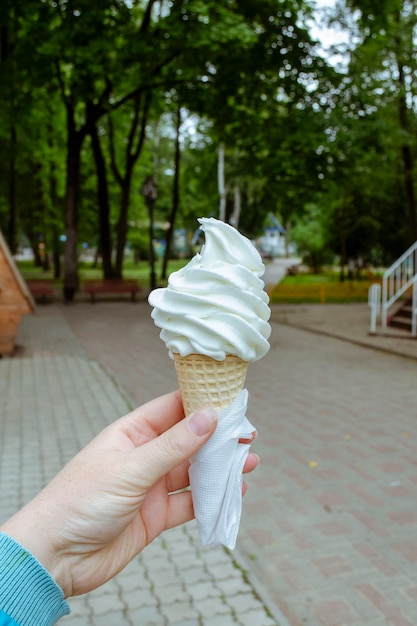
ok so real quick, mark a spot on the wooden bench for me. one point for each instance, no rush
(111, 286)
(41, 288)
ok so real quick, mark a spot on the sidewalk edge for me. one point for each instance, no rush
(260, 590)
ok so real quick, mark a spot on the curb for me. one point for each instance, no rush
(356, 342)
(270, 605)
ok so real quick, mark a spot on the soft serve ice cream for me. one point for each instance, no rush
(216, 305)
(214, 318)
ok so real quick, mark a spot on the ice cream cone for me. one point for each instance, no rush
(204, 381)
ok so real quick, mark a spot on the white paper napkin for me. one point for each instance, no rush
(216, 476)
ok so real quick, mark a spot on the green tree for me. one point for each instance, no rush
(383, 63)
(310, 236)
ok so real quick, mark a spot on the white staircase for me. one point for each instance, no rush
(399, 278)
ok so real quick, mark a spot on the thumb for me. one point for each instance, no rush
(176, 445)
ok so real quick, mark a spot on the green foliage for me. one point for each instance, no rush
(378, 94)
(310, 237)
(324, 149)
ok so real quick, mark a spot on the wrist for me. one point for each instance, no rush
(28, 593)
(31, 534)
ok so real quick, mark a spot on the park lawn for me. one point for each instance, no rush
(138, 271)
(303, 287)
(321, 288)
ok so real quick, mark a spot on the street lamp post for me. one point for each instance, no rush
(150, 193)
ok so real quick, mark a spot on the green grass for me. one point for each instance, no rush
(321, 288)
(138, 271)
(303, 287)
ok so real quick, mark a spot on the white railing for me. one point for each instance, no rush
(397, 279)
(414, 309)
(374, 302)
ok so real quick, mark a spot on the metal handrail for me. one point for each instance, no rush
(374, 302)
(414, 309)
(397, 279)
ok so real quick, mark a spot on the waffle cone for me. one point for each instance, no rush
(204, 381)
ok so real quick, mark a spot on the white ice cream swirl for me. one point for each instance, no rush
(216, 304)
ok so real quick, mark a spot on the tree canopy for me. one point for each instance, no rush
(98, 96)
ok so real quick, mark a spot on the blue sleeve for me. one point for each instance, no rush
(29, 596)
(5, 620)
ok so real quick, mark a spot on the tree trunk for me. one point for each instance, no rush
(175, 197)
(56, 253)
(409, 192)
(56, 247)
(41, 206)
(342, 237)
(122, 224)
(53, 193)
(221, 184)
(6, 56)
(150, 193)
(152, 277)
(407, 159)
(75, 139)
(237, 206)
(11, 235)
(103, 204)
(141, 104)
(34, 244)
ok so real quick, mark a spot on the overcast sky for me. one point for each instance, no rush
(327, 36)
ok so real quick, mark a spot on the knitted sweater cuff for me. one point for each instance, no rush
(28, 593)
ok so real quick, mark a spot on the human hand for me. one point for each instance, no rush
(116, 495)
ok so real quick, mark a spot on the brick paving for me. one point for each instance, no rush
(54, 397)
(331, 520)
(329, 530)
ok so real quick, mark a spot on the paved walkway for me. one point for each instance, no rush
(55, 395)
(329, 531)
(349, 322)
(276, 270)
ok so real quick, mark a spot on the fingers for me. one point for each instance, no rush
(180, 509)
(251, 463)
(156, 458)
(154, 417)
(163, 412)
(251, 439)
(180, 506)
(179, 478)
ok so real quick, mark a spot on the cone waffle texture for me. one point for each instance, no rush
(204, 381)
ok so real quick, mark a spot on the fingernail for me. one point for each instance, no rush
(201, 422)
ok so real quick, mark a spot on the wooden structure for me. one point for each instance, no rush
(15, 299)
